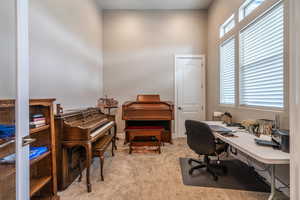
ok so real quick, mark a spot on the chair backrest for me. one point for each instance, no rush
(200, 137)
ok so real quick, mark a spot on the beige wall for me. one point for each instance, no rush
(7, 50)
(218, 13)
(65, 51)
(139, 48)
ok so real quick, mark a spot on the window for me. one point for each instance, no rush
(248, 7)
(227, 26)
(227, 72)
(262, 61)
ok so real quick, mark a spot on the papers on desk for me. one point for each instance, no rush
(220, 129)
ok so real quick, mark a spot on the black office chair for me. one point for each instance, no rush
(202, 141)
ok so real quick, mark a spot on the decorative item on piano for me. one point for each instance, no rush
(107, 102)
(37, 120)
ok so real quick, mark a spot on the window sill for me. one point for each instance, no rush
(253, 108)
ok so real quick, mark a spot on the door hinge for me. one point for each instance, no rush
(27, 141)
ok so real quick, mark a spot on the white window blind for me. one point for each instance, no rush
(262, 61)
(227, 72)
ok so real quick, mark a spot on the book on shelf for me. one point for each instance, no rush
(38, 122)
(35, 116)
(36, 125)
(38, 119)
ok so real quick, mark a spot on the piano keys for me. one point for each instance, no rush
(77, 131)
(149, 111)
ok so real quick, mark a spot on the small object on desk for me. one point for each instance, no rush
(234, 124)
(283, 139)
(227, 134)
(217, 128)
(227, 118)
(217, 116)
(265, 126)
(267, 143)
(248, 123)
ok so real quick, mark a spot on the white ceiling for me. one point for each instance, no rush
(153, 4)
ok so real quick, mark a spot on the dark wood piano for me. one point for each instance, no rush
(149, 111)
(77, 131)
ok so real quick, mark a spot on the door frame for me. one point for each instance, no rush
(203, 75)
(22, 99)
(294, 53)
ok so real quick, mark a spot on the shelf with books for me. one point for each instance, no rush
(43, 167)
(39, 129)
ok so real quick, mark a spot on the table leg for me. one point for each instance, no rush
(273, 187)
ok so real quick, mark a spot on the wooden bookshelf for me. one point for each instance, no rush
(39, 129)
(43, 180)
(38, 183)
(9, 169)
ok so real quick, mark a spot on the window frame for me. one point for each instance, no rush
(259, 12)
(242, 12)
(284, 62)
(222, 29)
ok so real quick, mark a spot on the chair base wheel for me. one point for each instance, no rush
(215, 178)
(224, 170)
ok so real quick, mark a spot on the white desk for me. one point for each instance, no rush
(245, 143)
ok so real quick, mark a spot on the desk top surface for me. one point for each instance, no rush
(245, 143)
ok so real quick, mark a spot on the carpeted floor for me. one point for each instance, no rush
(148, 176)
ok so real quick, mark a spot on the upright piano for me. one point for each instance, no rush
(77, 131)
(148, 111)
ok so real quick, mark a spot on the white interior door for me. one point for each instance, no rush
(189, 91)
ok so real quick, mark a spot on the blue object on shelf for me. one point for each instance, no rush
(37, 151)
(7, 131)
(34, 153)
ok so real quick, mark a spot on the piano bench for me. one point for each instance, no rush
(144, 137)
(99, 149)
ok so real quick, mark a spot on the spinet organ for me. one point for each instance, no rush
(148, 111)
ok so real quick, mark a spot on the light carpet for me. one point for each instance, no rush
(148, 176)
